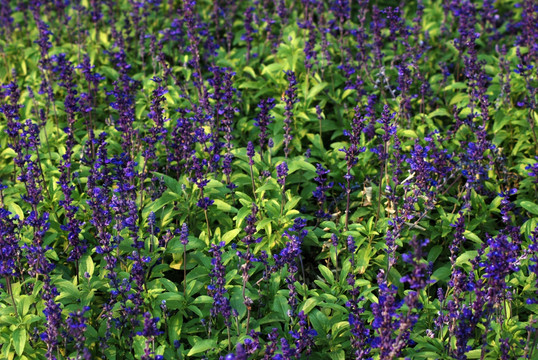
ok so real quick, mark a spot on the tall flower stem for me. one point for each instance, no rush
(381, 175)
(348, 200)
(283, 197)
(10, 292)
(185, 270)
(253, 184)
(207, 223)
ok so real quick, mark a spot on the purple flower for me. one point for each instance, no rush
(533, 170)
(204, 203)
(310, 43)
(9, 243)
(6, 18)
(150, 327)
(351, 246)
(216, 289)
(53, 314)
(152, 222)
(272, 345)
(184, 234)
(458, 237)
(249, 30)
(264, 119)
(250, 228)
(290, 98)
(304, 337)
(150, 332)
(64, 71)
(320, 192)
(501, 260)
(250, 153)
(281, 173)
(419, 277)
(76, 328)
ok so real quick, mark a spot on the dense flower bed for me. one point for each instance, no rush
(268, 179)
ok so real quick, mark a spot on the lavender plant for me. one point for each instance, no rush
(157, 202)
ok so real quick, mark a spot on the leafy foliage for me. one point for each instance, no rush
(268, 179)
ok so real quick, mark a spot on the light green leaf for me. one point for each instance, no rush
(530, 207)
(19, 340)
(327, 274)
(16, 209)
(409, 133)
(337, 355)
(201, 346)
(439, 112)
(465, 257)
(224, 206)
(175, 324)
(474, 354)
(272, 69)
(67, 290)
(302, 164)
(230, 235)
(87, 265)
(363, 260)
(309, 304)
(316, 90)
(472, 236)
(249, 71)
(280, 305)
(267, 186)
(456, 85)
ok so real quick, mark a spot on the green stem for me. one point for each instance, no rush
(10, 292)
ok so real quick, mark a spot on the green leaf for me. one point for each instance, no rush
(267, 186)
(280, 305)
(339, 326)
(456, 85)
(316, 90)
(500, 122)
(439, 112)
(19, 340)
(201, 346)
(530, 207)
(230, 235)
(272, 69)
(249, 71)
(224, 206)
(87, 265)
(109, 72)
(16, 209)
(302, 164)
(175, 324)
(24, 302)
(337, 355)
(474, 354)
(465, 257)
(171, 183)
(409, 133)
(472, 236)
(435, 252)
(168, 197)
(309, 304)
(327, 274)
(442, 274)
(363, 260)
(67, 290)
(263, 223)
